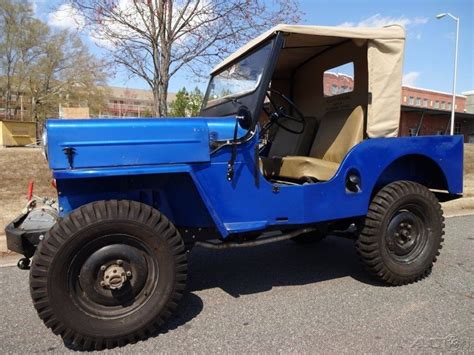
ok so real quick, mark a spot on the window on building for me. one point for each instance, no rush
(341, 75)
(404, 99)
(436, 105)
(411, 100)
(443, 105)
(457, 127)
(449, 106)
(425, 102)
(418, 101)
(412, 132)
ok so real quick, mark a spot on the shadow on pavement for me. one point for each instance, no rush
(253, 270)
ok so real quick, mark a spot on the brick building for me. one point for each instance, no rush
(337, 83)
(126, 102)
(423, 111)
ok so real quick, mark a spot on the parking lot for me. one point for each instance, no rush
(288, 298)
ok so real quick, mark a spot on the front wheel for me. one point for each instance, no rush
(109, 273)
(402, 234)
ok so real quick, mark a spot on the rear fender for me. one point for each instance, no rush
(434, 161)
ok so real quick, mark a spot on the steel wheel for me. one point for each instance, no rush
(402, 234)
(113, 276)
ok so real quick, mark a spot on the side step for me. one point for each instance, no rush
(261, 240)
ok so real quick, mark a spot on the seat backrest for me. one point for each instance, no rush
(338, 132)
(285, 143)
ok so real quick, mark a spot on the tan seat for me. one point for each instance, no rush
(285, 143)
(338, 132)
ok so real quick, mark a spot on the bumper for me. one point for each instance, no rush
(22, 241)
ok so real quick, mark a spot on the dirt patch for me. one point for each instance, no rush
(18, 166)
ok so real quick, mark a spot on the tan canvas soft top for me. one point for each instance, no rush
(385, 48)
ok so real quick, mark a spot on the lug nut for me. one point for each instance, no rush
(129, 273)
(119, 262)
(102, 283)
(102, 268)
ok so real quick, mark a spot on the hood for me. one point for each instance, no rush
(97, 143)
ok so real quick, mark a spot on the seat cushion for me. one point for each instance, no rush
(338, 132)
(295, 168)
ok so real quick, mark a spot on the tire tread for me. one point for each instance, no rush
(85, 215)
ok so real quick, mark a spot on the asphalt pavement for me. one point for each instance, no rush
(288, 298)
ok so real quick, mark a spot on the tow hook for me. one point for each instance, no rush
(24, 264)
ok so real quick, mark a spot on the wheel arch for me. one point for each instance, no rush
(413, 167)
(176, 195)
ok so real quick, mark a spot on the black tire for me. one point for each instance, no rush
(73, 279)
(403, 233)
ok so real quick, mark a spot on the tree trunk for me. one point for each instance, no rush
(156, 101)
(161, 85)
(162, 98)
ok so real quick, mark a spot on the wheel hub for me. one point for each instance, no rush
(405, 235)
(115, 276)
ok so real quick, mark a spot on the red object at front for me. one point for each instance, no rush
(30, 190)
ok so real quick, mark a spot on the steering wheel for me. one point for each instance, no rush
(280, 112)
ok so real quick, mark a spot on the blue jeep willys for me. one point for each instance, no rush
(275, 155)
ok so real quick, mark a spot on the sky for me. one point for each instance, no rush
(430, 43)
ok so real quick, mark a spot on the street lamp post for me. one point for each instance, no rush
(453, 104)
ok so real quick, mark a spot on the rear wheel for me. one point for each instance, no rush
(402, 234)
(109, 273)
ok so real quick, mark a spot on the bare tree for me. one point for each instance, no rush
(65, 72)
(154, 39)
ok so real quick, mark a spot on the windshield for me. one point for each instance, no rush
(239, 78)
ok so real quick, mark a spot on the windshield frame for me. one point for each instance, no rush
(253, 99)
(208, 103)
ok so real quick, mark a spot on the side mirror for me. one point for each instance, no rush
(244, 117)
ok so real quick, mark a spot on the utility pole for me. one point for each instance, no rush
(453, 104)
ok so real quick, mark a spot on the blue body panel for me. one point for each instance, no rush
(177, 174)
(127, 142)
